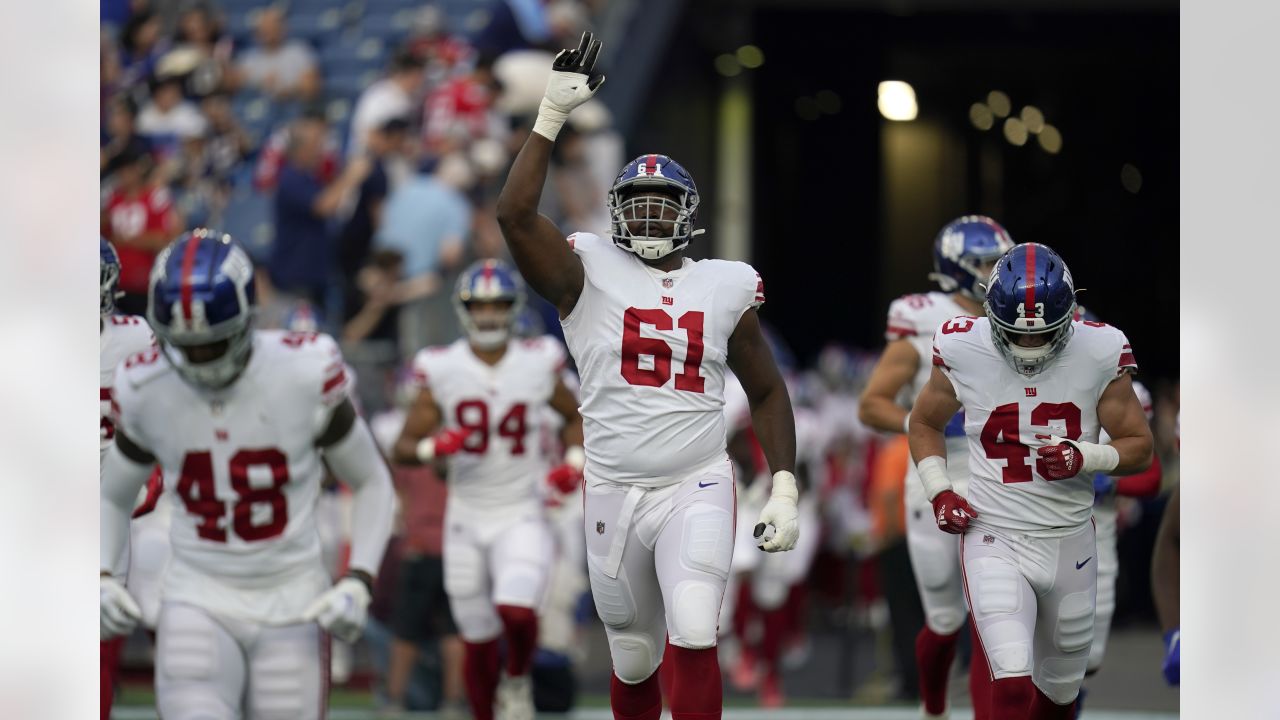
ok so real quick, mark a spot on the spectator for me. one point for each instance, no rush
(301, 257)
(430, 42)
(356, 239)
(169, 118)
(267, 171)
(388, 98)
(460, 110)
(228, 143)
(139, 219)
(513, 25)
(122, 139)
(141, 45)
(369, 333)
(282, 68)
(427, 220)
(202, 48)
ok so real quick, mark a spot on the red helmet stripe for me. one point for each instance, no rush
(188, 263)
(650, 164)
(1029, 304)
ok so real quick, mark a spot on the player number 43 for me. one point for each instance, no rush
(1000, 436)
(634, 345)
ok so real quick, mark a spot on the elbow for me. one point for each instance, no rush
(404, 452)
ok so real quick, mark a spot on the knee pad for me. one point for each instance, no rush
(1060, 678)
(520, 583)
(944, 620)
(612, 596)
(635, 656)
(1074, 631)
(694, 614)
(476, 618)
(464, 573)
(1008, 648)
(707, 542)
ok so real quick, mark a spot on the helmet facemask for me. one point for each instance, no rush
(652, 219)
(209, 362)
(1030, 360)
(488, 323)
(108, 276)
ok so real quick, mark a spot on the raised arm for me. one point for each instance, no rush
(538, 247)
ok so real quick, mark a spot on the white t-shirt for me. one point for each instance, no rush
(242, 471)
(287, 64)
(1008, 415)
(651, 348)
(382, 101)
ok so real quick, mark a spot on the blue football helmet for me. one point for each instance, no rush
(1030, 292)
(108, 277)
(667, 221)
(961, 251)
(201, 304)
(489, 281)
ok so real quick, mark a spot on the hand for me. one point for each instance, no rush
(1172, 665)
(450, 441)
(780, 512)
(573, 77)
(357, 169)
(119, 612)
(564, 477)
(342, 609)
(952, 512)
(1061, 460)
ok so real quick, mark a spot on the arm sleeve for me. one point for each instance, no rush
(356, 461)
(122, 478)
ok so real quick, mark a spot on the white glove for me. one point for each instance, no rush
(572, 83)
(342, 609)
(119, 613)
(781, 513)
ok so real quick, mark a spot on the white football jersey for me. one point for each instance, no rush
(502, 463)
(242, 471)
(915, 318)
(121, 336)
(651, 348)
(1009, 415)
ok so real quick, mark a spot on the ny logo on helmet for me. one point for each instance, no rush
(952, 245)
(1022, 310)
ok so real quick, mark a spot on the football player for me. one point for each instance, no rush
(964, 252)
(1036, 387)
(482, 404)
(242, 423)
(119, 337)
(653, 333)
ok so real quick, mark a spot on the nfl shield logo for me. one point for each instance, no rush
(667, 283)
(988, 539)
(599, 527)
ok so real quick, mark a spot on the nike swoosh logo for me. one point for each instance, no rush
(1082, 564)
(704, 485)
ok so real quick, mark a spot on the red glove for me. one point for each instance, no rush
(450, 441)
(952, 512)
(564, 477)
(1061, 461)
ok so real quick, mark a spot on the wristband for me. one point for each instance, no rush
(575, 457)
(426, 450)
(906, 424)
(784, 486)
(933, 474)
(550, 120)
(1095, 457)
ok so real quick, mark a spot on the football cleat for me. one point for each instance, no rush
(1030, 292)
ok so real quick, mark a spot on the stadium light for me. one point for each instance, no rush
(897, 100)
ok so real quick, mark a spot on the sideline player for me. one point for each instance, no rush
(964, 252)
(1029, 378)
(653, 334)
(240, 421)
(481, 404)
(120, 336)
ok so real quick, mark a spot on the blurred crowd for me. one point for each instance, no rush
(356, 148)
